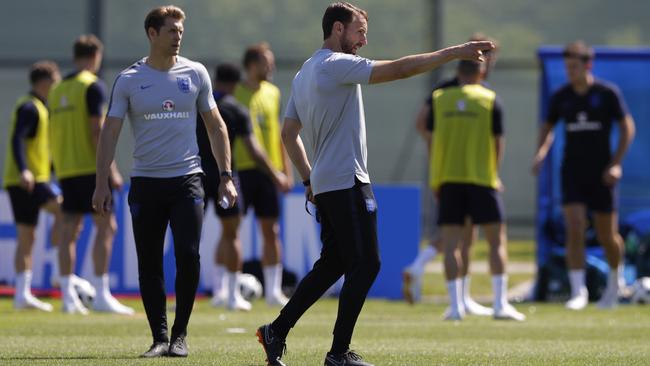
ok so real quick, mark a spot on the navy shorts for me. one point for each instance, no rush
(260, 192)
(590, 191)
(25, 205)
(456, 201)
(211, 188)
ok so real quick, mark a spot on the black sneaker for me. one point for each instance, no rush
(157, 349)
(274, 347)
(349, 358)
(177, 347)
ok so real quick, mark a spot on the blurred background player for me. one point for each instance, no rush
(26, 177)
(590, 172)
(77, 107)
(260, 189)
(467, 149)
(162, 95)
(228, 261)
(413, 273)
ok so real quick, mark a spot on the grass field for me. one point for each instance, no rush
(388, 333)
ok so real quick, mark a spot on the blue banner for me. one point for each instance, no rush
(398, 230)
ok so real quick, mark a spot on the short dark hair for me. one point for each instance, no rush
(43, 70)
(156, 17)
(580, 50)
(255, 53)
(469, 67)
(227, 73)
(340, 12)
(86, 46)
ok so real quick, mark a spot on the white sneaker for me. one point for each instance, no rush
(277, 299)
(578, 302)
(28, 301)
(508, 312)
(453, 314)
(474, 308)
(72, 304)
(239, 304)
(411, 286)
(107, 303)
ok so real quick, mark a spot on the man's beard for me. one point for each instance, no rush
(347, 46)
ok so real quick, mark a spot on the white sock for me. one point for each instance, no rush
(218, 279)
(23, 284)
(66, 286)
(277, 285)
(500, 288)
(465, 289)
(232, 280)
(613, 278)
(620, 271)
(577, 281)
(102, 285)
(272, 277)
(424, 256)
(453, 288)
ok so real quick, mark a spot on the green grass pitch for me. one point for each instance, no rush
(388, 333)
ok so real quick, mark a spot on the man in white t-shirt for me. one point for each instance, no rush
(326, 103)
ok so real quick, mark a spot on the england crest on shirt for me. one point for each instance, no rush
(184, 84)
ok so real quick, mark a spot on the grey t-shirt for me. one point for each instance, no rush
(162, 108)
(326, 99)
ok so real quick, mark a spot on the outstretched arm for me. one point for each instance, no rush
(405, 67)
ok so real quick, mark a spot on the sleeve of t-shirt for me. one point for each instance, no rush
(26, 124)
(291, 111)
(350, 69)
(119, 102)
(205, 101)
(96, 99)
(553, 109)
(618, 106)
(497, 118)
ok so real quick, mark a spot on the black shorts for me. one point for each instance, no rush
(211, 188)
(590, 191)
(25, 205)
(78, 194)
(260, 192)
(456, 201)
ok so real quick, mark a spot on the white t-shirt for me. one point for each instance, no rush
(326, 99)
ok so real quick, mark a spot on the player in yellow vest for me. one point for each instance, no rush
(77, 107)
(27, 175)
(414, 272)
(259, 188)
(467, 147)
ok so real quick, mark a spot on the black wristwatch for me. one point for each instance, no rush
(226, 173)
(306, 182)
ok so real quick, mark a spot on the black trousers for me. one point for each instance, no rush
(155, 203)
(349, 236)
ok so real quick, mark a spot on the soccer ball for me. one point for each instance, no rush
(84, 289)
(641, 291)
(250, 287)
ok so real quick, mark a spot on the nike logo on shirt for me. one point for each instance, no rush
(143, 87)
